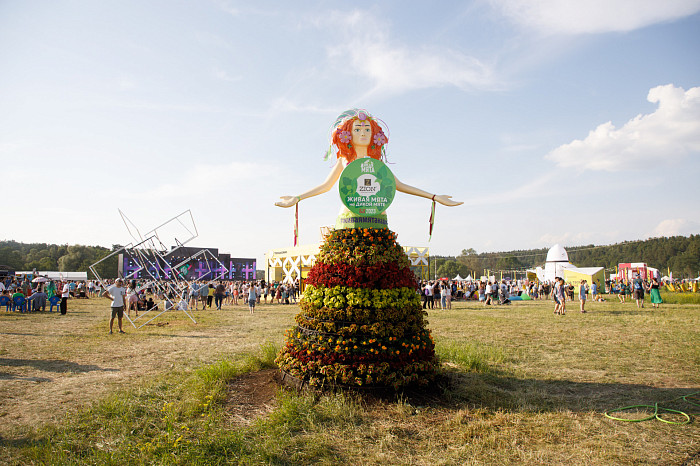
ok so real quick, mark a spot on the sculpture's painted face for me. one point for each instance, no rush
(361, 133)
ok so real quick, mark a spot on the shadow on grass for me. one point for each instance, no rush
(8, 376)
(173, 335)
(53, 365)
(635, 312)
(458, 390)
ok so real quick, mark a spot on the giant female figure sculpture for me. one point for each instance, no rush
(359, 136)
(361, 321)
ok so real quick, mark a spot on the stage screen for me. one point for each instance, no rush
(206, 266)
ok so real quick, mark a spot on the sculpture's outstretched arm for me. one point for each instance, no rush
(442, 199)
(289, 201)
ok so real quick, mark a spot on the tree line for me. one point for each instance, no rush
(55, 257)
(679, 254)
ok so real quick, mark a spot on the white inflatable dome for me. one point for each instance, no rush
(557, 254)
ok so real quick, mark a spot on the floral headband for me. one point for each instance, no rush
(345, 137)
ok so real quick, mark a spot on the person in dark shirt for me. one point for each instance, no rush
(638, 291)
(219, 294)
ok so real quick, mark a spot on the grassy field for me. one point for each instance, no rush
(519, 385)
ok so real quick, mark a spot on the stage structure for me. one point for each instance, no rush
(287, 264)
(148, 260)
(188, 263)
(149, 254)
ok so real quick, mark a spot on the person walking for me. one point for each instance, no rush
(236, 292)
(219, 295)
(203, 294)
(210, 294)
(623, 292)
(582, 292)
(638, 292)
(489, 291)
(594, 290)
(252, 297)
(132, 298)
(654, 293)
(194, 294)
(559, 296)
(116, 293)
(278, 293)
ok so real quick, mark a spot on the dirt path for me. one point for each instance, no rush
(52, 364)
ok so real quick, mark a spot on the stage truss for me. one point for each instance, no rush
(150, 254)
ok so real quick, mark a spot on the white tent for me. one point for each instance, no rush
(469, 278)
(78, 276)
(557, 264)
(557, 261)
(457, 278)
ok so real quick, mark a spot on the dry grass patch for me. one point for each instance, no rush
(520, 385)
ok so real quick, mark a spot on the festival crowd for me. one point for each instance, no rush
(19, 294)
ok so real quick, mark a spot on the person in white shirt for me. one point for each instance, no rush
(429, 294)
(65, 294)
(116, 293)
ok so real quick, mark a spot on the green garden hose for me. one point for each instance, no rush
(685, 398)
(658, 410)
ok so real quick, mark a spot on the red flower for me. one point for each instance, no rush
(379, 276)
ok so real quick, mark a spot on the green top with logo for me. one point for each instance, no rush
(367, 187)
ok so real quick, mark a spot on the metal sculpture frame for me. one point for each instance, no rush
(151, 244)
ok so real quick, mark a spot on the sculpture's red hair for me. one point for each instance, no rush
(346, 150)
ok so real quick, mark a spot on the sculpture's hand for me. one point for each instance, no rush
(287, 201)
(447, 200)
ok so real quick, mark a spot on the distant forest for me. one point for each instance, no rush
(53, 257)
(680, 254)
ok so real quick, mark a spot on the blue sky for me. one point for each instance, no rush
(554, 121)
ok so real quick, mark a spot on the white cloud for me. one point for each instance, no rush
(593, 16)
(671, 132)
(569, 238)
(396, 68)
(676, 227)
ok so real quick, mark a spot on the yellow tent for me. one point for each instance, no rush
(590, 274)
